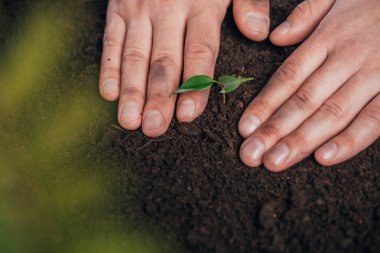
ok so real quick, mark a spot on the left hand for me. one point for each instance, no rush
(325, 97)
(147, 44)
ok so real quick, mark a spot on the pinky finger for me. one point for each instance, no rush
(364, 131)
(114, 36)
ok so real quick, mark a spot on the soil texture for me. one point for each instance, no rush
(191, 185)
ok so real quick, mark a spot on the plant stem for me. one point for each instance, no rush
(221, 86)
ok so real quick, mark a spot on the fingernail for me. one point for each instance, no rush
(256, 22)
(130, 112)
(283, 28)
(187, 108)
(329, 151)
(110, 86)
(279, 154)
(253, 149)
(248, 125)
(153, 120)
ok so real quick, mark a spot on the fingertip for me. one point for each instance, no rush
(301, 22)
(251, 152)
(130, 115)
(281, 35)
(277, 158)
(271, 166)
(191, 105)
(320, 159)
(286, 34)
(253, 25)
(252, 18)
(110, 90)
(110, 97)
(326, 154)
(256, 26)
(248, 125)
(131, 125)
(186, 110)
(153, 123)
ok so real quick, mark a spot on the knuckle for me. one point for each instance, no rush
(161, 96)
(201, 51)
(373, 114)
(110, 70)
(134, 55)
(334, 110)
(261, 107)
(162, 68)
(288, 73)
(165, 61)
(270, 131)
(132, 91)
(110, 41)
(303, 100)
(300, 139)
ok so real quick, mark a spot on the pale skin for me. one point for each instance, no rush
(324, 99)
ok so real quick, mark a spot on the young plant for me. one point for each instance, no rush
(227, 83)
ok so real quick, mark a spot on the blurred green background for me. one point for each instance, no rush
(55, 187)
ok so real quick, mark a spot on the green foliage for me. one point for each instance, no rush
(196, 83)
(227, 83)
(56, 190)
(231, 83)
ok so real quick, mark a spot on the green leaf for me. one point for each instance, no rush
(196, 83)
(231, 83)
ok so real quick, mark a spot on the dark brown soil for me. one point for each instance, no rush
(191, 185)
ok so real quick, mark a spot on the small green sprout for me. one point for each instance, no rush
(227, 83)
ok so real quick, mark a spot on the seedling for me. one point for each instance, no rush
(227, 83)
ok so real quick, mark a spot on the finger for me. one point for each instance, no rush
(359, 135)
(333, 116)
(114, 35)
(301, 22)
(164, 73)
(284, 83)
(252, 18)
(201, 50)
(317, 89)
(135, 68)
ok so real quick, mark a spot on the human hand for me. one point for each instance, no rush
(325, 96)
(146, 44)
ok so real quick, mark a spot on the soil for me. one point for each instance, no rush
(191, 185)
